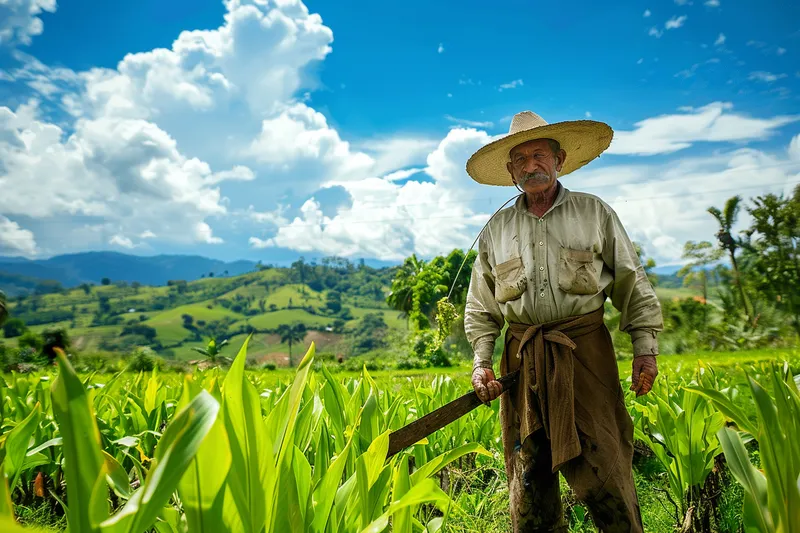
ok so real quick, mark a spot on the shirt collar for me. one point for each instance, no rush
(561, 196)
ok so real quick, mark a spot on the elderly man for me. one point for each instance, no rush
(546, 266)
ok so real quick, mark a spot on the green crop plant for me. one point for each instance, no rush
(772, 493)
(219, 452)
(681, 429)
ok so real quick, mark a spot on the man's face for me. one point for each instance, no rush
(534, 166)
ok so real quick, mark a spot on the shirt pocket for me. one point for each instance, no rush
(510, 280)
(576, 272)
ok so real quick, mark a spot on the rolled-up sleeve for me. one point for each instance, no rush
(483, 319)
(632, 294)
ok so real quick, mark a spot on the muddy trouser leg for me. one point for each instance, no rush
(602, 480)
(534, 492)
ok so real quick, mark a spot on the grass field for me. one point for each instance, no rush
(169, 324)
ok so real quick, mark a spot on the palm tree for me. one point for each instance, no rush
(726, 220)
(401, 295)
(290, 335)
(212, 352)
(3, 308)
(701, 254)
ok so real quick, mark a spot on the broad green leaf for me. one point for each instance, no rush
(400, 485)
(6, 507)
(116, 477)
(202, 486)
(178, 446)
(436, 464)
(52, 442)
(727, 407)
(16, 445)
(425, 492)
(325, 492)
(756, 511)
(253, 475)
(83, 459)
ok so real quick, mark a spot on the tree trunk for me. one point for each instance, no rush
(291, 363)
(741, 288)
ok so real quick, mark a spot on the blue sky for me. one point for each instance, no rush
(285, 128)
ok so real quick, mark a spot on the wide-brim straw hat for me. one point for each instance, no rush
(582, 140)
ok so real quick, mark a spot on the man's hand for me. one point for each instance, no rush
(486, 386)
(645, 370)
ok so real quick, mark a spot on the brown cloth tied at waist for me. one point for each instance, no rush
(544, 396)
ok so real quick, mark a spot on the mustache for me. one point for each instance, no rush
(537, 176)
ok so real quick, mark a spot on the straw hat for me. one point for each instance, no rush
(582, 140)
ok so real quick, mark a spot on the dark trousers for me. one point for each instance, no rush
(601, 477)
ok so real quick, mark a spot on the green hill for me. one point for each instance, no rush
(329, 300)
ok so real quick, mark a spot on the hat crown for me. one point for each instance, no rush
(525, 120)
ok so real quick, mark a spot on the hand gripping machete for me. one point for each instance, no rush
(439, 418)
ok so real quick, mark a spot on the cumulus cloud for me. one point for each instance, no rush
(388, 220)
(685, 189)
(15, 240)
(715, 122)
(646, 13)
(122, 241)
(20, 22)
(720, 40)
(124, 172)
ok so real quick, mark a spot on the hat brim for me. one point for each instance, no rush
(582, 140)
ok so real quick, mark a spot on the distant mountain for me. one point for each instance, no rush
(91, 267)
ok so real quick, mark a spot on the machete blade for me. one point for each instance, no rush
(439, 418)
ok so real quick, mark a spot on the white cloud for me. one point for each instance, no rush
(675, 22)
(203, 233)
(15, 240)
(683, 2)
(767, 77)
(122, 241)
(20, 22)
(720, 40)
(588, 114)
(712, 3)
(207, 94)
(471, 123)
(640, 61)
(390, 221)
(780, 51)
(441, 48)
(666, 212)
(711, 123)
(646, 13)
(301, 134)
(147, 234)
(511, 85)
(655, 32)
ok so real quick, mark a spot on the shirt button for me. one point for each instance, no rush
(541, 243)
(541, 294)
(541, 268)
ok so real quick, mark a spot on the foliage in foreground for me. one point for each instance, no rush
(222, 464)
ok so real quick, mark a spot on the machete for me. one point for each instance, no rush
(439, 418)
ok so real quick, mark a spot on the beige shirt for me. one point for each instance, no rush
(534, 270)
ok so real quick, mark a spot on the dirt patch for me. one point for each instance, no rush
(276, 358)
